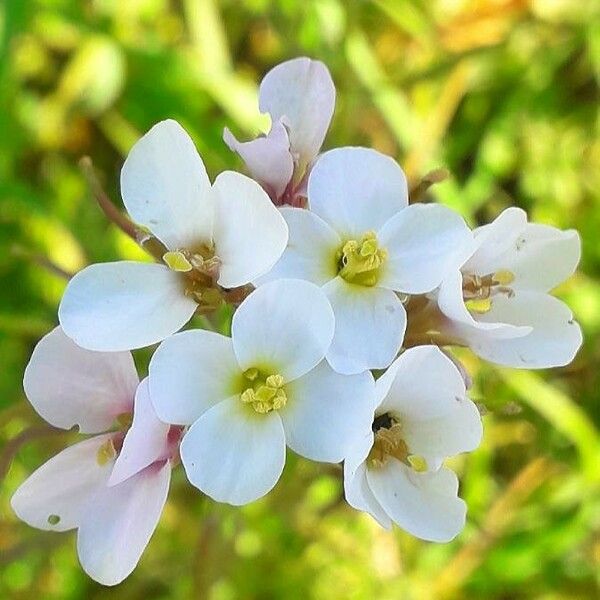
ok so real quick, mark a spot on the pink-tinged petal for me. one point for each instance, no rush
(424, 504)
(145, 442)
(356, 190)
(119, 522)
(124, 305)
(166, 189)
(69, 386)
(234, 454)
(268, 158)
(311, 249)
(301, 93)
(424, 242)
(369, 326)
(190, 372)
(553, 342)
(55, 497)
(326, 412)
(250, 233)
(283, 327)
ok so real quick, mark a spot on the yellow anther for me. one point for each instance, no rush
(479, 306)
(504, 277)
(418, 463)
(177, 261)
(360, 261)
(124, 420)
(265, 392)
(106, 453)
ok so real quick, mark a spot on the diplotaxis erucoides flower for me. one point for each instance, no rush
(362, 243)
(228, 233)
(248, 396)
(395, 469)
(111, 487)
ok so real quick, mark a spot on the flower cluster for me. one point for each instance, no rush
(346, 300)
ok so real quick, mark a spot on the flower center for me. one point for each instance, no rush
(360, 262)
(389, 443)
(479, 289)
(263, 392)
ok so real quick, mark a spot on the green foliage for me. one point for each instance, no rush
(504, 93)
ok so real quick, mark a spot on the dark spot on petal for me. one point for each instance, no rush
(53, 519)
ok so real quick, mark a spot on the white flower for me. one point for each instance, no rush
(299, 95)
(394, 471)
(231, 228)
(362, 243)
(248, 396)
(498, 304)
(111, 487)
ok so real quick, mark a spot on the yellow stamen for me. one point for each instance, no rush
(265, 392)
(479, 306)
(504, 277)
(177, 261)
(106, 453)
(360, 261)
(418, 463)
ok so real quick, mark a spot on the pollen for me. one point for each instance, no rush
(479, 305)
(360, 261)
(504, 277)
(177, 261)
(264, 392)
(106, 453)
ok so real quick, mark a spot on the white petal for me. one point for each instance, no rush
(424, 504)
(284, 327)
(356, 487)
(250, 233)
(61, 488)
(189, 373)
(554, 341)
(124, 305)
(69, 386)
(311, 249)
(267, 158)
(119, 523)
(461, 323)
(145, 442)
(234, 454)
(424, 243)
(369, 326)
(302, 94)
(540, 258)
(166, 189)
(356, 190)
(326, 412)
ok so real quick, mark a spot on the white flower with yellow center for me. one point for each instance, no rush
(394, 471)
(362, 243)
(111, 487)
(229, 232)
(498, 303)
(248, 396)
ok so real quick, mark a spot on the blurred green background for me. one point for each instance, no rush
(504, 93)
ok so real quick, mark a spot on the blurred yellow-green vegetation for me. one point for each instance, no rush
(504, 93)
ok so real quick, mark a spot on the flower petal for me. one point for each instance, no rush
(250, 233)
(424, 504)
(424, 243)
(301, 93)
(268, 158)
(124, 305)
(311, 249)
(233, 454)
(356, 487)
(356, 190)
(119, 523)
(69, 386)
(284, 327)
(55, 496)
(369, 326)
(145, 442)
(189, 373)
(166, 189)
(326, 412)
(553, 342)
